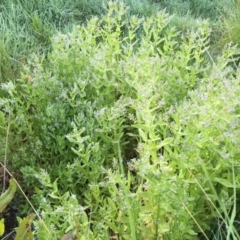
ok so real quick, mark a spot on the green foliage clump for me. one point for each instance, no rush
(207, 155)
(122, 131)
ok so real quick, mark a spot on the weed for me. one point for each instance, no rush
(124, 130)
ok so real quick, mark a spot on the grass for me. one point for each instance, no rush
(27, 27)
(197, 9)
(128, 112)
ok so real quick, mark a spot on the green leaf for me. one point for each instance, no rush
(143, 135)
(8, 195)
(24, 231)
(165, 142)
(2, 227)
(225, 183)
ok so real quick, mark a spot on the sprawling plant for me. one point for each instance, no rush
(123, 131)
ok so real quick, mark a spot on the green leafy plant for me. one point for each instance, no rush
(23, 231)
(122, 131)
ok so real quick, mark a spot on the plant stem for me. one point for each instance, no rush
(126, 192)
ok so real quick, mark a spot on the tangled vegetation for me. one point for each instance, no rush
(123, 126)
